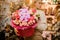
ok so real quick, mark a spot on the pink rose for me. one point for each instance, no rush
(31, 18)
(33, 10)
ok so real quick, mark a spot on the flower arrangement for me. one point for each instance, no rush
(24, 18)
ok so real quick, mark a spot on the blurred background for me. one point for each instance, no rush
(51, 9)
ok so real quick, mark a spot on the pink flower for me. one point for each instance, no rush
(17, 16)
(24, 14)
(31, 18)
(33, 10)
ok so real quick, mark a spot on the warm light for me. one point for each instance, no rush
(30, 1)
(44, 1)
(47, 1)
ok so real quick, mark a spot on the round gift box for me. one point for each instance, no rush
(24, 31)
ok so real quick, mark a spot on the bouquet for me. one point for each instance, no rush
(24, 18)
